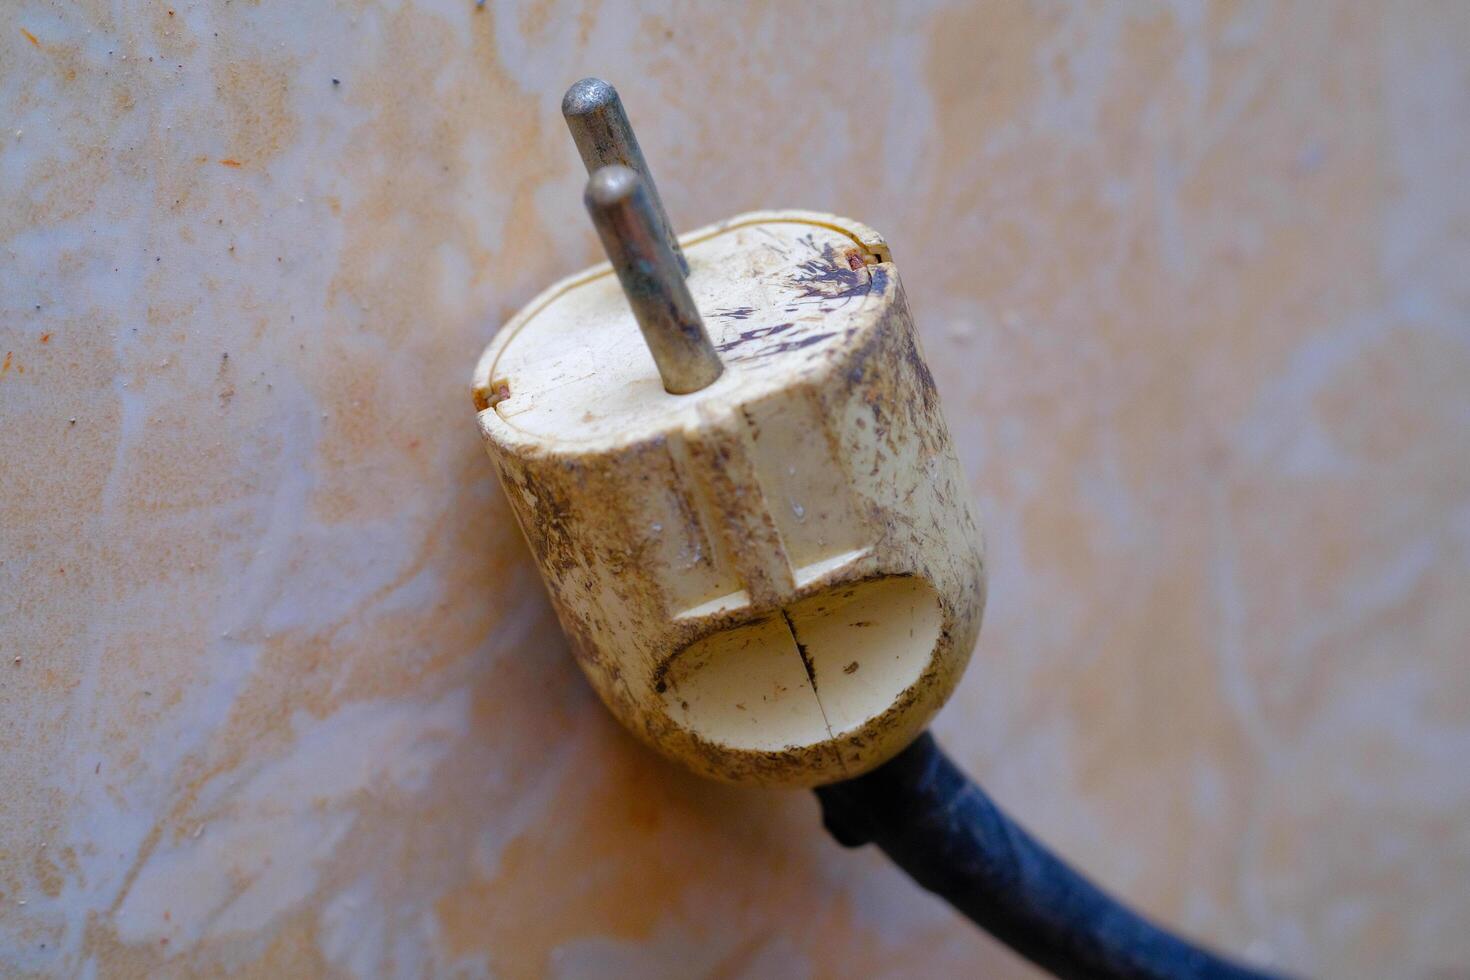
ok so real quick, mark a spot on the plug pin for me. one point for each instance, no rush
(622, 206)
(600, 128)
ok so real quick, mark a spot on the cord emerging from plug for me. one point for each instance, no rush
(942, 829)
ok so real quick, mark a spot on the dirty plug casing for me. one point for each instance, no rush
(776, 579)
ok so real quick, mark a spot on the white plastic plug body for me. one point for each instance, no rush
(777, 578)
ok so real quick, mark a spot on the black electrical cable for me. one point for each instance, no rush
(938, 826)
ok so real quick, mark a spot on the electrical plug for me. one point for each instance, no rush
(728, 457)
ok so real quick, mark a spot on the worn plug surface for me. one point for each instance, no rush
(738, 484)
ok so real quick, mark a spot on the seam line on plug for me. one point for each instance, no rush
(811, 679)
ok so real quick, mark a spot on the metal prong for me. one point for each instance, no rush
(603, 135)
(621, 204)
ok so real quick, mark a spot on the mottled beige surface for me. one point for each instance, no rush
(280, 692)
